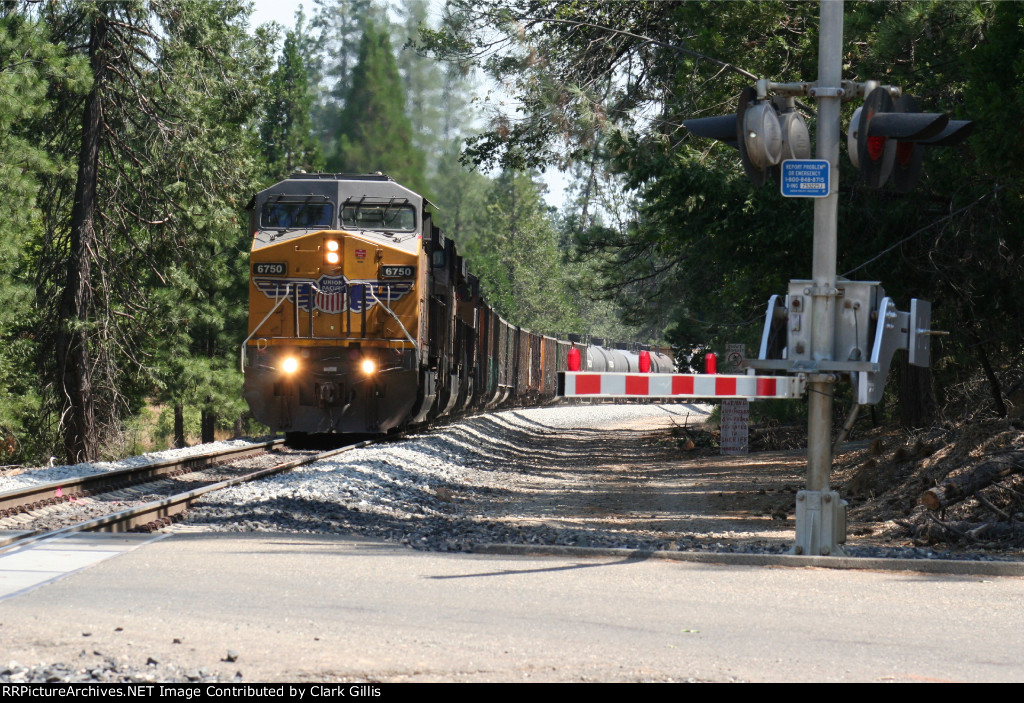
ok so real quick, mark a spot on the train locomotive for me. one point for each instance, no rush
(363, 318)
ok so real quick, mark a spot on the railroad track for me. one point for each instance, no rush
(29, 515)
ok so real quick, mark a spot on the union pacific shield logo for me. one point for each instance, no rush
(330, 294)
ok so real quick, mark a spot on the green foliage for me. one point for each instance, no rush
(374, 132)
(953, 239)
(787, 412)
(286, 131)
(186, 135)
(163, 431)
(461, 195)
(29, 61)
(603, 87)
(426, 86)
(330, 50)
(992, 75)
(517, 258)
(178, 92)
(202, 318)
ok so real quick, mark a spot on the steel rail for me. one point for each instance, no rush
(60, 491)
(125, 520)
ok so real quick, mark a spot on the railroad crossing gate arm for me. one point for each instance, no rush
(575, 384)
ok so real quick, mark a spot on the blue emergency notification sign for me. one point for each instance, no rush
(805, 178)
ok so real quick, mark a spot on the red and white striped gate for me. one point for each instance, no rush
(579, 384)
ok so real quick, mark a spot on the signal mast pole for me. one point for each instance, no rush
(828, 92)
(769, 136)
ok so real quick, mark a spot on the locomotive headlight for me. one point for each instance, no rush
(369, 366)
(290, 365)
(333, 248)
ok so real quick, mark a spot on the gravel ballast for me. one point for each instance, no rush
(515, 477)
(61, 472)
(437, 490)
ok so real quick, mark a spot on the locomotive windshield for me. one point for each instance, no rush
(284, 214)
(378, 216)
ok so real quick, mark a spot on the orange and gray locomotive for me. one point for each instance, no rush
(363, 318)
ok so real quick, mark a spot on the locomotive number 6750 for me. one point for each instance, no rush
(397, 272)
(268, 269)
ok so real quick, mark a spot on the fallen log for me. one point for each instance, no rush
(936, 531)
(965, 484)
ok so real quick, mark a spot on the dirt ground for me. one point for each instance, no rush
(634, 479)
(663, 480)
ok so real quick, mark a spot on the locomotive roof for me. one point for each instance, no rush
(339, 187)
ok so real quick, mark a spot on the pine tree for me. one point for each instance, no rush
(331, 50)
(211, 265)
(517, 258)
(461, 195)
(27, 58)
(424, 83)
(164, 157)
(288, 140)
(374, 133)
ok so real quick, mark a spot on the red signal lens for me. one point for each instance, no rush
(876, 147)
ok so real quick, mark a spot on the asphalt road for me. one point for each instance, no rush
(321, 608)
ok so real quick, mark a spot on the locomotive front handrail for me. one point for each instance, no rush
(241, 361)
(415, 347)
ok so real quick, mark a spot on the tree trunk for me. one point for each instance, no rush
(917, 399)
(208, 417)
(209, 423)
(74, 360)
(993, 381)
(179, 426)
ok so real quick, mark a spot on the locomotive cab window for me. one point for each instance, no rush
(285, 214)
(384, 217)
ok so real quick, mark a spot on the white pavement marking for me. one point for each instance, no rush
(24, 569)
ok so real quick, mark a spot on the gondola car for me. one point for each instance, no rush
(364, 319)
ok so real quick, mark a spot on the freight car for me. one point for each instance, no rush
(364, 319)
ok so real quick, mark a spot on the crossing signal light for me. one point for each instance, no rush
(886, 138)
(760, 139)
(796, 140)
(763, 136)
